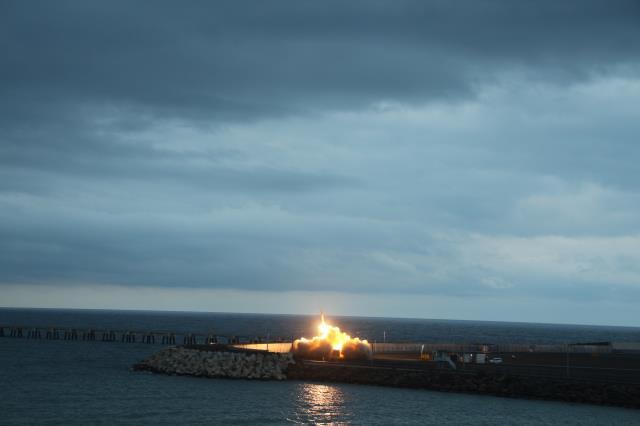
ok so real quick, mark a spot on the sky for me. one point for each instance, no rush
(434, 159)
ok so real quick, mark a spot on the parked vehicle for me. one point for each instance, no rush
(495, 360)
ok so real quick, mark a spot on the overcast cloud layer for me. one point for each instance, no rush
(481, 151)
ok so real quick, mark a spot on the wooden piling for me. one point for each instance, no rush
(90, 334)
(52, 334)
(190, 339)
(129, 337)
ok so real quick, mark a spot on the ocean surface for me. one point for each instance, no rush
(76, 382)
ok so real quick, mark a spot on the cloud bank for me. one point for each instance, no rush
(478, 152)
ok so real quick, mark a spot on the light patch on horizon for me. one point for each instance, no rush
(484, 308)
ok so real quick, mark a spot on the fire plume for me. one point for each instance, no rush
(331, 343)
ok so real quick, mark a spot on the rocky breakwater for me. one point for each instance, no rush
(218, 362)
(494, 383)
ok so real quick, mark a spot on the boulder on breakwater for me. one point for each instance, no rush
(219, 362)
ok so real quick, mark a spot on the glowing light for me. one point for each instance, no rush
(321, 404)
(331, 343)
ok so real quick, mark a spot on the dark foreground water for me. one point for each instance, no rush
(75, 382)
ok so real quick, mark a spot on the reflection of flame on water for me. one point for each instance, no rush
(320, 404)
(331, 343)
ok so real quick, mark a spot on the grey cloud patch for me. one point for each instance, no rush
(110, 154)
(476, 150)
(416, 191)
(237, 60)
(271, 249)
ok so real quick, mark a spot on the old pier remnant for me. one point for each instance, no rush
(163, 337)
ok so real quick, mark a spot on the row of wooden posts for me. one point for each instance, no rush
(165, 338)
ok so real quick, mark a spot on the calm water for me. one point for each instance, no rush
(65, 382)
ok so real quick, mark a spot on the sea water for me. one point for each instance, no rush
(77, 382)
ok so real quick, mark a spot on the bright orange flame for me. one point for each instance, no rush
(331, 343)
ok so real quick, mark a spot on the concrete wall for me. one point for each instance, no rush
(271, 347)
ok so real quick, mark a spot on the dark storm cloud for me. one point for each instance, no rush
(237, 60)
(362, 146)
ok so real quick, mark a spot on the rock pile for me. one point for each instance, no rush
(232, 364)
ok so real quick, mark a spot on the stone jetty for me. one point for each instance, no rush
(225, 361)
(219, 362)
